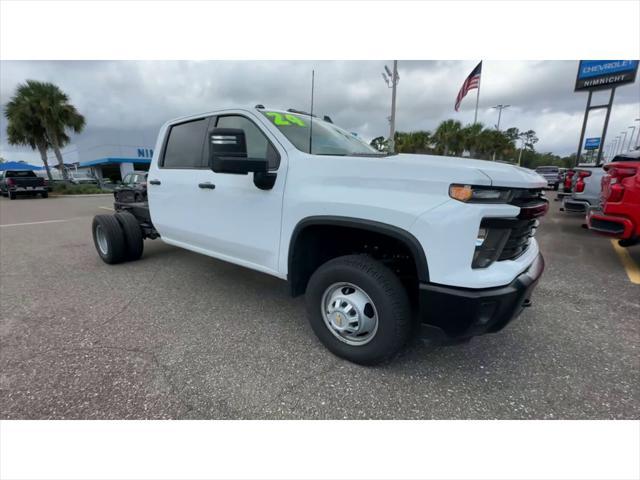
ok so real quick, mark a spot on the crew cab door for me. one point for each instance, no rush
(219, 214)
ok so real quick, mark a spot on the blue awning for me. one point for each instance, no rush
(19, 166)
(113, 161)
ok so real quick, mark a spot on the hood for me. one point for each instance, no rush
(498, 174)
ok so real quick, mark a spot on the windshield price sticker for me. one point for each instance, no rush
(281, 119)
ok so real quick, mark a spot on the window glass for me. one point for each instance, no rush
(258, 145)
(328, 139)
(21, 173)
(185, 143)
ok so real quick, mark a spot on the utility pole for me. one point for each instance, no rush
(520, 154)
(638, 136)
(392, 79)
(499, 108)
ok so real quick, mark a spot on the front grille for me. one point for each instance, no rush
(521, 233)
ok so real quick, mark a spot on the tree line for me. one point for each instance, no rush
(450, 138)
(39, 115)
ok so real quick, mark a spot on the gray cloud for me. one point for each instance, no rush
(125, 102)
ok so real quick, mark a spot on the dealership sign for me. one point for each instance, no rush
(592, 143)
(596, 74)
(145, 152)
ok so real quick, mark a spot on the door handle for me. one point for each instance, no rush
(154, 182)
(208, 185)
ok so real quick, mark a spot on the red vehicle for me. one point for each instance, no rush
(620, 213)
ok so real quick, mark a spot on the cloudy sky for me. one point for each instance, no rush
(125, 102)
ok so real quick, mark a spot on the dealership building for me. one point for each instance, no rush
(112, 161)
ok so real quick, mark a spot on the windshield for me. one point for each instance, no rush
(327, 139)
(547, 170)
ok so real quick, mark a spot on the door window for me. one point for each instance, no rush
(185, 145)
(258, 145)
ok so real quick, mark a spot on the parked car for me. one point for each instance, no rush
(22, 182)
(374, 241)
(551, 174)
(81, 178)
(55, 174)
(585, 189)
(619, 215)
(132, 189)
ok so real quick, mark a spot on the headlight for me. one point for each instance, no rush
(475, 194)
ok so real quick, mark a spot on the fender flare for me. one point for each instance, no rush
(410, 241)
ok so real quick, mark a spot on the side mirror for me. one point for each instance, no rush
(228, 153)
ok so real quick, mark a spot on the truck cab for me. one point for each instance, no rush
(381, 245)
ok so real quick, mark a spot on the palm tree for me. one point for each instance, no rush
(413, 142)
(471, 139)
(50, 108)
(494, 142)
(447, 137)
(23, 128)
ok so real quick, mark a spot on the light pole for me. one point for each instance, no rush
(392, 79)
(500, 108)
(615, 147)
(638, 136)
(633, 130)
(624, 139)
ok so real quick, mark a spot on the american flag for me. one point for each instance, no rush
(471, 82)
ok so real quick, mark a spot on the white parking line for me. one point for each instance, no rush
(106, 208)
(40, 223)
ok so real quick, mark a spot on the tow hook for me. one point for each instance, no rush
(527, 303)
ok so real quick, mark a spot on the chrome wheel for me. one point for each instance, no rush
(349, 313)
(101, 238)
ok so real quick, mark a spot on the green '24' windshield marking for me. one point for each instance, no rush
(280, 119)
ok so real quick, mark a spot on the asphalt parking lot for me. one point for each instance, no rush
(179, 335)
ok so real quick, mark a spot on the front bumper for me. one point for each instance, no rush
(450, 314)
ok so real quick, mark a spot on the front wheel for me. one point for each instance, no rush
(12, 195)
(358, 309)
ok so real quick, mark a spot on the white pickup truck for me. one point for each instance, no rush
(384, 246)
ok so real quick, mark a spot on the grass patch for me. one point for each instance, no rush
(70, 189)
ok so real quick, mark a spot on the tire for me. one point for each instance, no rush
(628, 242)
(555, 187)
(134, 243)
(108, 238)
(389, 299)
(12, 195)
(45, 194)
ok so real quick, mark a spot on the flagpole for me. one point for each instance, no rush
(475, 118)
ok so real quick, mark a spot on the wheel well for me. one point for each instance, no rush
(314, 243)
